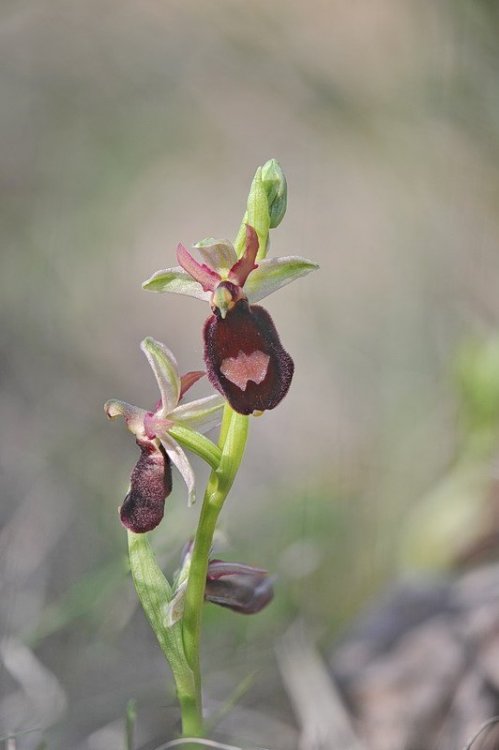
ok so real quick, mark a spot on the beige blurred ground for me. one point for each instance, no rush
(127, 127)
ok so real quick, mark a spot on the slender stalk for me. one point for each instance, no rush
(233, 436)
(154, 593)
(198, 444)
(180, 643)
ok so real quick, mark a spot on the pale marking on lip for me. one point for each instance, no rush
(245, 367)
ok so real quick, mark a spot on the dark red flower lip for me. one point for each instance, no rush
(150, 484)
(245, 359)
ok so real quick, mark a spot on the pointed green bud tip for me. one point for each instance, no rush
(275, 185)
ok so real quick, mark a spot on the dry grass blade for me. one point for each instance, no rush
(487, 725)
(324, 721)
(201, 743)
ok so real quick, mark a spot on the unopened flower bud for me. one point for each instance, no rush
(275, 185)
(239, 587)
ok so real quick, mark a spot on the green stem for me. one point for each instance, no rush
(154, 593)
(180, 643)
(232, 443)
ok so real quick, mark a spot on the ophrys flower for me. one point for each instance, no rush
(244, 357)
(151, 480)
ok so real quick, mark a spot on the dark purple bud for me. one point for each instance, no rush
(150, 485)
(239, 587)
(245, 359)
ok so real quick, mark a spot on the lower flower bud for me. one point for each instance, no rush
(239, 587)
(150, 485)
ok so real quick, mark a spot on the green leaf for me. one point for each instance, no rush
(154, 593)
(176, 281)
(275, 273)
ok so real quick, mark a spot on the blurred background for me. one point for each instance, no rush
(127, 127)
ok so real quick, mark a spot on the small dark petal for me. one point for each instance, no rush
(246, 263)
(238, 587)
(188, 380)
(150, 485)
(245, 359)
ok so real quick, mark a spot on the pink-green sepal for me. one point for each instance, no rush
(178, 457)
(175, 281)
(217, 254)
(133, 415)
(274, 273)
(165, 368)
(201, 415)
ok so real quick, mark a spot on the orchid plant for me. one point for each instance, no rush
(252, 372)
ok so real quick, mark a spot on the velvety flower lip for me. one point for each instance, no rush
(245, 359)
(150, 485)
(150, 482)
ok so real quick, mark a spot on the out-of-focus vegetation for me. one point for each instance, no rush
(126, 127)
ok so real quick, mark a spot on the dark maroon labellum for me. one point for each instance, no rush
(150, 485)
(245, 359)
